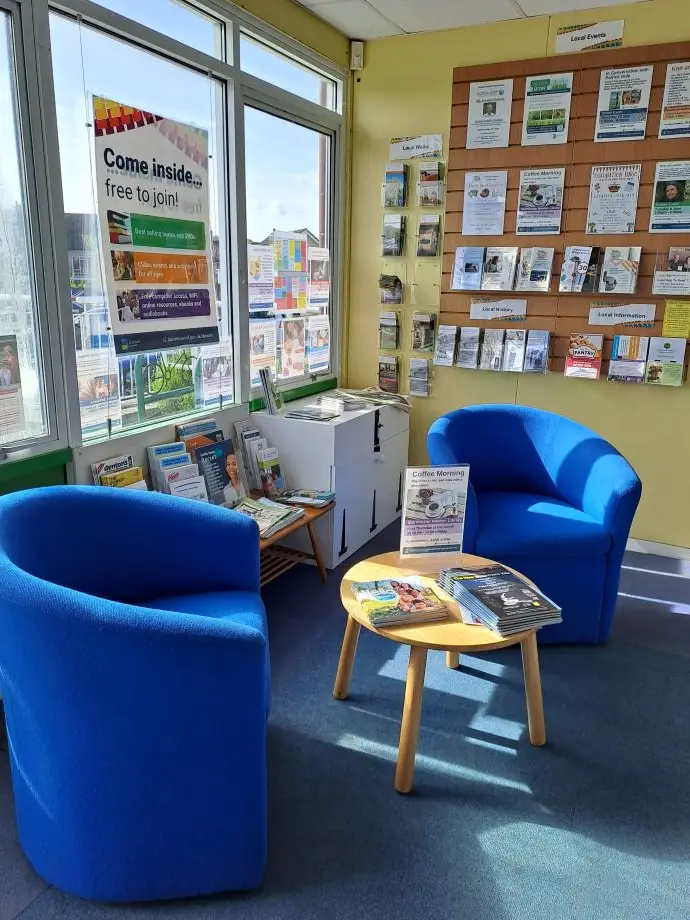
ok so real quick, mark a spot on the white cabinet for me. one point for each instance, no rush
(361, 455)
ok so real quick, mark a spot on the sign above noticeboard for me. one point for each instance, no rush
(590, 36)
(410, 148)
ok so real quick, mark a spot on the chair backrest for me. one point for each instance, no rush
(105, 542)
(521, 449)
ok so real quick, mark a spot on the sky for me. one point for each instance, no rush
(281, 158)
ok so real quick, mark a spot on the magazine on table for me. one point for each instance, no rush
(433, 515)
(392, 602)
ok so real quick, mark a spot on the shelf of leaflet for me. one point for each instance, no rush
(559, 348)
(276, 560)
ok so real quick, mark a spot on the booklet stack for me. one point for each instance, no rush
(314, 499)
(499, 599)
(269, 515)
(399, 603)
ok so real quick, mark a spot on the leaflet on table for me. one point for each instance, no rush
(290, 348)
(671, 205)
(676, 319)
(215, 374)
(620, 268)
(319, 278)
(467, 268)
(433, 516)
(540, 201)
(629, 314)
(666, 361)
(260, 276)
(547, 109)
(262, 348)
(318, 343)
(152, 187)
(484, 203)
(623, 104)
(488, 119)
(483, 308)
(99, 390)
(675, 108)
(613, 194)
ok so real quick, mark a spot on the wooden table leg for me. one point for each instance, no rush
(452, 659)
(317, 552)
(412, 711)
(347, 659)
(535, 703)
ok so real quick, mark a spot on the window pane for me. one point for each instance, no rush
(22, 387)
(115, 391)
(174, 19)
(288, 218)
(269, 65)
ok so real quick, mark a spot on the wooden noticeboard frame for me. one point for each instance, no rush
(562, 314)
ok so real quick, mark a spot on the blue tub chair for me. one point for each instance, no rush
(134, 670)
(548, 497)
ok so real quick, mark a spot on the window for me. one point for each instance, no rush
(262, 61)
(23, 412)
(176, 20)
(288, 206)
(117, 392)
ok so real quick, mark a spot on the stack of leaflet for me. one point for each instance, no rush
(119, 472)
(172, 470)
(313, 413)
(315, 499)
(499, 599)
(269, 515)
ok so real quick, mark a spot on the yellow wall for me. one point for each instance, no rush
(405, 88)
(297, 22)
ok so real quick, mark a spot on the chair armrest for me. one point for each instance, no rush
(611, 493)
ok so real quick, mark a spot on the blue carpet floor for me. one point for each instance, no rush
(596, 825)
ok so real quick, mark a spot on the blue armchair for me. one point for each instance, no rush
(550, 498)
(134, 670)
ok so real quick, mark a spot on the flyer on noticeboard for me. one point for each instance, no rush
(671, 203)
(623, 104)
(433, 517)
(540, 201)
(613, 195)
(547, 109)
(152, 187)
(488, 120)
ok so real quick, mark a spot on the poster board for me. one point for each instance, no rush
(562, 314)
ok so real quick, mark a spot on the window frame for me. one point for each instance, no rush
(44, 194)
(50, 321)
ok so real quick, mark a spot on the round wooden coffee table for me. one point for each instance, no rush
(451, 636)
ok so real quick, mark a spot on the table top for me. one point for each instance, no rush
(451, 635)
(310, 514)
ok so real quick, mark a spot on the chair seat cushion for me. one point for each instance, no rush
(522, 524)
(242, 607)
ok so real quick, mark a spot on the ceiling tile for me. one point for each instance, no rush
(543, 7)
(356, 18)
(431, 15)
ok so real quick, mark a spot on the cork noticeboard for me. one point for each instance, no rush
(562, 314)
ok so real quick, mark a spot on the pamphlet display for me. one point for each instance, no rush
(468, 267)
(468, 348)
(671, 205)
(580, 270)
(446, 340)
(395, 186)
(390, 289)
(151, 178)
(429, 236)
(491, 350)
(628, 359)
(665, 361)
(675, 107)
(389, 330)
(430, 188)
(620, 269)
(393, 242)
(514, 349)
(423, 329)
(623, 104)
(584, 356)
(613, 195)
(537, 351)
(389, 373)
(500, 263)
(488, 120)
(484, 203)
(547, 109)
(534, 269)
(672, 272)
(433, 517)
(540, 201)
(419, 377)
